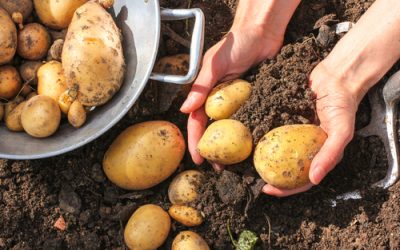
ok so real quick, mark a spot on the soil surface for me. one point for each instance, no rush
(72, 188)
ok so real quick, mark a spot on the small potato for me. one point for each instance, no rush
(283, 156)
(185, 215)
(66, 99)
(24, 7)
(41, 116)
(226, 98)
(51, 80)
(147, 228)
(32, 94)
(188, 240)
(55, 50)
(33, 41)
(28, 71)
(13, 118)
(10, 82)
(144, 155)
(76, 114)
(26, 90)
(185, 186)
(1, 111)
(8, 37)
(226, 142)
(12, 105)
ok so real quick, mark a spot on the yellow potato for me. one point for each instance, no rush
(41, 116)
(188, 240)
(226, 98)
(13, 118)
(28, 71)
(144, 155)
(66, 99)
(283, 156)
(147, 228)
(185, 215)
(226, 142)
(1, 111)
(10, 82)
(185, 186)
(24, 7)
(33, 41)
(76, 114)
(12, 105)
(51, 80)
(8, 37)
(92, 55)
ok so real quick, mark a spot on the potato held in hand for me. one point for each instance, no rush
(188, 240)
(284, 155)
(226, 98)
(92, 56)
(144, 155)
(226, 142)
(8, 37)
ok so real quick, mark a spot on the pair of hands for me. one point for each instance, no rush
(236, 53)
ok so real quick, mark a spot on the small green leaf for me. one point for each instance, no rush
(247, 240)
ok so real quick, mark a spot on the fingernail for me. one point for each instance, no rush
(318, 173)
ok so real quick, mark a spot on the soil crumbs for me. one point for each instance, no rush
(34, 195)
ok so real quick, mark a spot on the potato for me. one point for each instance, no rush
(226, 98)
(51, 80)
(144, 155)
(28, 71)
(76, 114)
(57, 14)
(283, 156)
(185, 186)
(92, 56)
(32, 94)
(12, 105)
(17, 6)
(41, 116)
(10, 82)
(13, 118)
(185, 215)
(226, 142)
(8, 37)
(33, 41)
(26, 90)
(147, 228)
(1, 111)
(55, 50)
(66, 99)
(188, 240)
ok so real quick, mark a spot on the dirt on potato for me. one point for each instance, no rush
(73, 188)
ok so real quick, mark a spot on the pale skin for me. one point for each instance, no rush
(357, 62)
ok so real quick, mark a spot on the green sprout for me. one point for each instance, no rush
(247, 239)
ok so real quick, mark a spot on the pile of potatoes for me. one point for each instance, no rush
(56, 60)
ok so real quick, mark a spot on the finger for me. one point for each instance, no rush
(274, 191)
(196, 126)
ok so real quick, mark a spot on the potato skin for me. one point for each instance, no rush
(13, 118)
(57, 14)
(185, 215)
(10, 82)
(51, 80)
(226, 142)
(188, 240)
(28, 71)
(33, 41)
(284, 155)
(144, 155)
(226, 98)
(185, 186)
(92, 55)
(147, 228)
(40, 116)
(8, 37)
(76, 114)
(24, 7)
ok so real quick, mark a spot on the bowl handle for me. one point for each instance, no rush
(196, 46)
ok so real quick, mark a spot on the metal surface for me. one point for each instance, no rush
(139, 21)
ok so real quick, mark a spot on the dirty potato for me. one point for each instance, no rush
(28, 71)
(41, 116)
(185, 186)
(144, 155)
(76, 114)
(24, 7)
(147, 228)
(188, 240)
(92, 55)
(226, 98)
(51, 80)
(13, 118)
(185, 215)
(8, 38)
(226, 142)
(55, 50)
(283, 156)
(33, 41)
(10, 82)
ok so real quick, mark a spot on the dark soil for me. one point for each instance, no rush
(35, 194)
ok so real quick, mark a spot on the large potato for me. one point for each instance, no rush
(51, 80)
(33, 41)
(144, 155)
(13, 118)
(188, 240)
(17, 6)
(10, 82)
(184, 188)
(8, 38)
(185, 215)
(226, 98)
(147, 228)
(92, 56)
(57, 14)
(40, 116)
(283, 156)
(226, 142)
